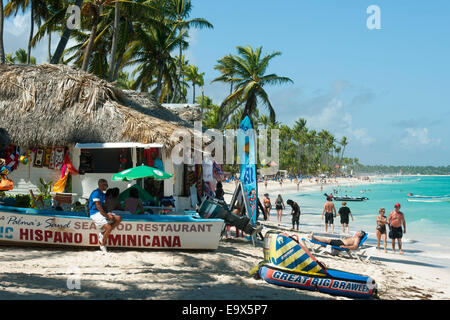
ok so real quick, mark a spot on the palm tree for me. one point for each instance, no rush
(52, 12)
(343, 143)
(250, 78)
(151, 52)
(92, 9)
(264, 120)
(15, 5)
(191, 74)
(225, 66)
(2, 48)
(20, 57)
(178, 12)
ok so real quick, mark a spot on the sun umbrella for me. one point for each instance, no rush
(143, 195)
(139, 173)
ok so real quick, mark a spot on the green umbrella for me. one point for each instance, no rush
(139, 173)
(143, 195)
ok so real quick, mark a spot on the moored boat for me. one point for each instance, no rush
(346, 198)
(420, 198)
(58, 228)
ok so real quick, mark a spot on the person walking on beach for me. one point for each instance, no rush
(279, 206)
(103, 220)
(267, 207)
(344, 212)
(295, 213)
(381, 228)
(330, 212)
(395, 220)
(219, 191)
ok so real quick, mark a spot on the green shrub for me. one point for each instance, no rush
(23, 201)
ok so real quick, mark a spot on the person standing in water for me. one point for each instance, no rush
(395, 220)
(330, 212)
(381, 228)
(295, 213)
(279, 206)
(344, 212)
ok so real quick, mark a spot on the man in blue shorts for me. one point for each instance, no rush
(103, 220)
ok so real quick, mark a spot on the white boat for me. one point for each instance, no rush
(419, 198)
(59, 228)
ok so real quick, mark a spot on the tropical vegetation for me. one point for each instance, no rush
(140, 45)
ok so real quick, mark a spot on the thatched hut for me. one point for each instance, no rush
(4, 138)
(51, 106)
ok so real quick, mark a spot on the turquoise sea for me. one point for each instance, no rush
(427, 224)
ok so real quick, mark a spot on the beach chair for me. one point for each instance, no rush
(361, 253)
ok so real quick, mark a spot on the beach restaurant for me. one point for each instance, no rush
(54, 117)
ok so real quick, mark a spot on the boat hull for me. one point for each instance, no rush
(428, 198)
(334, 282)
(43, 227)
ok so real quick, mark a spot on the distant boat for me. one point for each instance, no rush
(346, 198)
(419, 198)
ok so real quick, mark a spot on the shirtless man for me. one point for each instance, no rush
(330, 212)
(395, 221)
(346, 243)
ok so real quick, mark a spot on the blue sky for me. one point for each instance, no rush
(387, 90)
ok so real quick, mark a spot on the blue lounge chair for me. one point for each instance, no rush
(358, 253)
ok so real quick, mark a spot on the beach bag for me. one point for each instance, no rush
(6, 184)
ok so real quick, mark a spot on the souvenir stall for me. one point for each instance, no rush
(103, 160)
(201, 179)
(33, 171)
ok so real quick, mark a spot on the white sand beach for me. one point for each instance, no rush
(43, 273)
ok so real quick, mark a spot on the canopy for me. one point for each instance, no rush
(139, 173)
(143, 195)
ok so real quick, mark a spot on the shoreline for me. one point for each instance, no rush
(222, 274)
(419, 261)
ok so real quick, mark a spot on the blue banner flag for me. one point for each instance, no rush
(246, 138)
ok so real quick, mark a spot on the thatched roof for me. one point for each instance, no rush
(58, 105)
(187, 112)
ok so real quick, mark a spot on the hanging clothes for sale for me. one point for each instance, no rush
(159, 164)
(150, 155)
(199, 180)
(11, 158)
(217, 171)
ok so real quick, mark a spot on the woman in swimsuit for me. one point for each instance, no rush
(381, 228)
(279, 205)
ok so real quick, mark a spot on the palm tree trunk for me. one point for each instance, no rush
(31, 33)
(159, 81)
(64, 39)
(49, 46)
(90, 44)
(114, 42)
(180, 70)
(2, 48)
(193, 96)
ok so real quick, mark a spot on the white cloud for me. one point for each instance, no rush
(418, 137)
(18, 25)
(335, 119)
